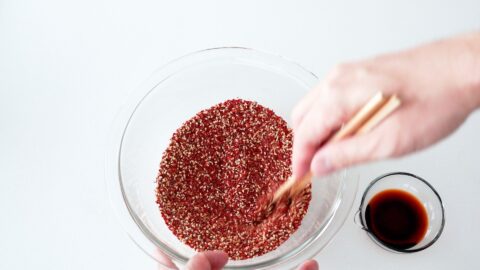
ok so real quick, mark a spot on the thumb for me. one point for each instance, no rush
(309, 265)
(208, 260)
(351, 151)
(315, 128)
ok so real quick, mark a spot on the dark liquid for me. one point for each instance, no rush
(397, 218)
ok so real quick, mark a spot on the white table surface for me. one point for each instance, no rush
(67, 66)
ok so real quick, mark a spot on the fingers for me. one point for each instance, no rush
(321, 120)
(380, 143)
(303, 106)
(199, 261)
(208, 260)
(309, 265)
(164, 261)
(217, 259)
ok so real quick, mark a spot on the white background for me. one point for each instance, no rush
(66, 67)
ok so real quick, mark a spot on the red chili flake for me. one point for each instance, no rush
(217, 166)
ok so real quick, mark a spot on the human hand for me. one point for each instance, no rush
(208, 260)
(215, 260)
(438, 83)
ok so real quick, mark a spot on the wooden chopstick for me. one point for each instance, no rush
(390, 105)
(360, 117)
(371, 114)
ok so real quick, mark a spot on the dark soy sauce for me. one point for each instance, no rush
(397, 218)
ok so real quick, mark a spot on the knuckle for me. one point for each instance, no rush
(338, 76)
(362, 72)
(333, 84)
(344, 75)
(342, 68)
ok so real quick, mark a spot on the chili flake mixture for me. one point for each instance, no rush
(218, 164)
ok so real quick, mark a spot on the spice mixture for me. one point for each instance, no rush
(217, 166)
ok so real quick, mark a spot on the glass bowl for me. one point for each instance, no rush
(416, 186)
(175, 93)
